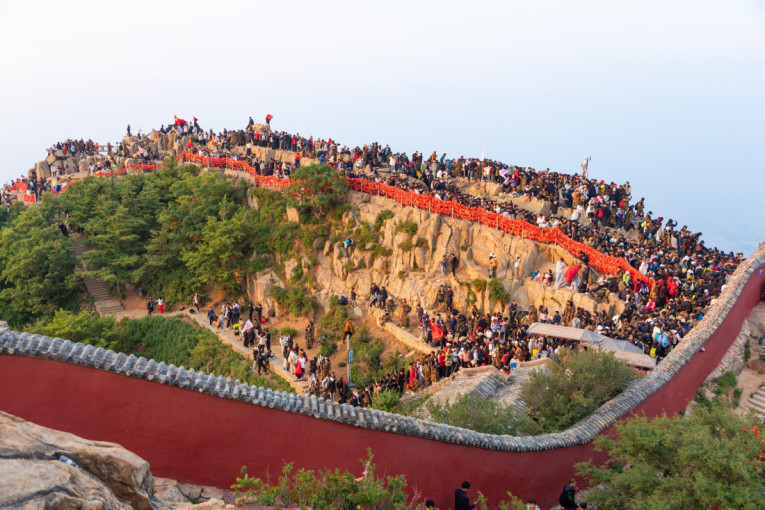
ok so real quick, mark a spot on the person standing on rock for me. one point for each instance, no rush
(455, 262)
(444, 261)
(560, 268)
(517, 267)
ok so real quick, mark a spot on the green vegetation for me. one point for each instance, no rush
(479, 284)
(409, 227)
(168, 339)
(368, 365)
(497, 292)
(37, 272)
(421, 243)
(317, 189)
(574, 388)
(711, 459)
(381, 218)
(387, 400)
(474, 412)
(326, 489)
(174, 232)
(297, 298)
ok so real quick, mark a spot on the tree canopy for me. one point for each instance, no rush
(318, 188)
(712, 459)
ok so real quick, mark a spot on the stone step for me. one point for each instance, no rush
(759, 409)
(757, 399)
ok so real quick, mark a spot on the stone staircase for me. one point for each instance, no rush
(105, 303)
(757, 401)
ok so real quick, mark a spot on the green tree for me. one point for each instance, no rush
(708, 460)
(222, 257)
(318, 188)
(82, 327)
(36, 270)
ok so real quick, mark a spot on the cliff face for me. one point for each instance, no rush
(413, 268)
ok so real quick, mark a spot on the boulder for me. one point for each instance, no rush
(293, 216)
(30, 483)
(258, 287)
(106, 470)
(43, 169)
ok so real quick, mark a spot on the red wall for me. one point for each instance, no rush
(203, 439)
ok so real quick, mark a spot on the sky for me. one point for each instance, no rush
(669, 96)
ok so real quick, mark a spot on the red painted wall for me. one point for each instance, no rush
(202, 439)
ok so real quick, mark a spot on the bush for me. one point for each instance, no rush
(421, 243)
(386, 401)
(497, 292)
(168, 339)
(327, 348)
(326, 489)
(474, 412)
(479, 285)
(405, 245)
(574, 388)
(409, 227)
(381, 218)
(297, 298)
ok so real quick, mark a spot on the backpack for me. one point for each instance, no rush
(342, 300)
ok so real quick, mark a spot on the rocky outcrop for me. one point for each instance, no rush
(413, 268)
(258, 287)
(106, 475)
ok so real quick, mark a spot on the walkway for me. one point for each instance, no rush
(105, 303)
(227, 336)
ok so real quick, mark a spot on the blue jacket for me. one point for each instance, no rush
(461, 500)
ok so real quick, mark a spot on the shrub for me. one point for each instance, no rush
(286, 330)
(326, 489)
(479, 284)
(327, 348)
(497, 291)
(574, 388)
(382, 217)
(409, 227)
(386, 401)
(474, 412)
(297, 298)
(405, 245)
(421, 243)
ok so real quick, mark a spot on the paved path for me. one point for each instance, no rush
(227, 336)
(105, 303)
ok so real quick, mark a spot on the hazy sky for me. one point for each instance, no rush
(669, 95)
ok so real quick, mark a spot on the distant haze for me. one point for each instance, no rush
(666, 95)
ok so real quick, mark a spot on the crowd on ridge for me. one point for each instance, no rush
(688, 275)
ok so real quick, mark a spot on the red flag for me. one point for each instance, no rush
(438, 333)
(189, 144)
(195, 119)
(269, 117)
(177, 120)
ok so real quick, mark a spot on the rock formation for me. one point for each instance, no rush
(32, 476)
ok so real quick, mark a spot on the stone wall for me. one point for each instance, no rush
(25, 344)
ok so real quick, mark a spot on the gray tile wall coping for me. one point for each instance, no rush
(15, 343)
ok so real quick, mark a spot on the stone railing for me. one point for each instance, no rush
(29, 345)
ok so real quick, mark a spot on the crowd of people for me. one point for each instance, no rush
(687, 275)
